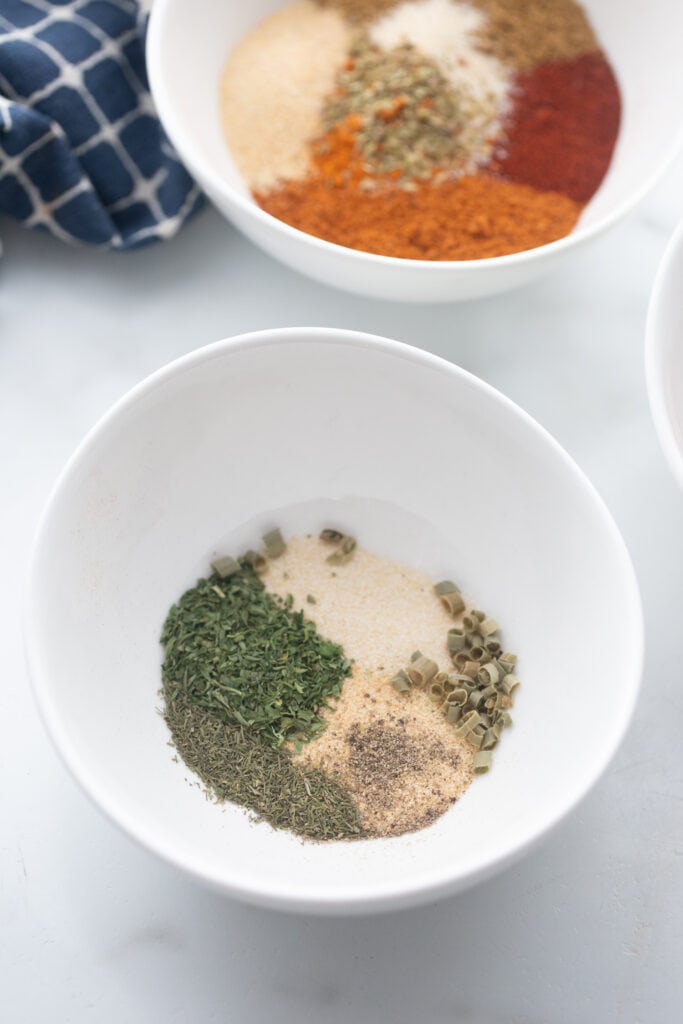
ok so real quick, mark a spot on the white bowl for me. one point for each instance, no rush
(664, 354)
(423, 463)
(188, 43)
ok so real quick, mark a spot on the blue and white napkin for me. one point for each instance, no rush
(82, 153)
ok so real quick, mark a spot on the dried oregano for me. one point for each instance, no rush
(409, 117)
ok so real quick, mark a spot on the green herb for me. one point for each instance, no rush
(489, 674)
(254, 559)
(468, 722)
(456, 641)
(244, 655)
(344, 546)
(401, 682)
(453, 603)
(421, 670)
(475, 737)
(331, 536)
(235, 765)
(311, 599)
(274, 543)
(436, 693)
(509, 684)
(225, 566)
(414, 124)
(486, 683)
(445, 587)
(451, 599)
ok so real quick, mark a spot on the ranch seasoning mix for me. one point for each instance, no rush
(332, 692)
(424, 129)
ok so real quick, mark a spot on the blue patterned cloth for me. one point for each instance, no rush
(82, 153)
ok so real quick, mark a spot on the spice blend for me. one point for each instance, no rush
(423, 129)
(290, 688)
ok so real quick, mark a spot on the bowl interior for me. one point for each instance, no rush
(665, 355)
(425, 464)
(643, 45)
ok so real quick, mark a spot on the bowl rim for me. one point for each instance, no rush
(655, 355)
(182, 141)
(428, 887)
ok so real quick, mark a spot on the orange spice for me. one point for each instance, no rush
(471, 218)
(335, 157)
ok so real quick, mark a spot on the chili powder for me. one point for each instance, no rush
(564, 126)
(472, 218)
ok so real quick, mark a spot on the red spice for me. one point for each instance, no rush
(563, 127)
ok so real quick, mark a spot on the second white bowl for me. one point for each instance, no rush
(423, 463)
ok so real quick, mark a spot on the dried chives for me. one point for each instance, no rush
(489, 674)
(445, 587)
(490, 739)
(436, 693)
(401, 682)
(453, 603)
(509, 684)
(456, 641)
(255, 560)
(475, 737)
(422, 670)
(331, 536)
(225, 566)
(344, 546)
(274, 543)
(481, 690)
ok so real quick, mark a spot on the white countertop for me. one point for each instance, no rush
(586, 930)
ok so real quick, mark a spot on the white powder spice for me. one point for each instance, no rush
(379, 611)
(273, 87)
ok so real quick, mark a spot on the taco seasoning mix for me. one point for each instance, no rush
(424, 129)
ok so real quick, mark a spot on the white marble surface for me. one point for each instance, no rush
(589, 928)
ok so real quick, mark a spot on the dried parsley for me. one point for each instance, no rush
(243, 654)
(235, 765)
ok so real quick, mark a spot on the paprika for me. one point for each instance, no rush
(563, 127)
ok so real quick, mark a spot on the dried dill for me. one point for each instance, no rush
(234, 765)
(243, 654)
